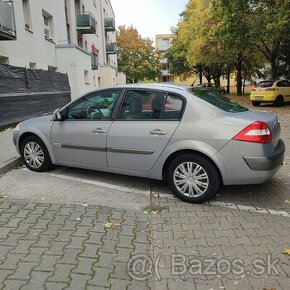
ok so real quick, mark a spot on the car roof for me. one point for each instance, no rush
(158, 86)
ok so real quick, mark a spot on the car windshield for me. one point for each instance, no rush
(266, 84)
(218, 100)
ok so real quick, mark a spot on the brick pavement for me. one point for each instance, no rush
(51, 246)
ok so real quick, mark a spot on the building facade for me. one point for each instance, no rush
(163, 43)
(76, 37)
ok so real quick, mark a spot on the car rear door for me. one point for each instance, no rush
(146, 122)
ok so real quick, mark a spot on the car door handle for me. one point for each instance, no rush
(99, 131)
(158, 132)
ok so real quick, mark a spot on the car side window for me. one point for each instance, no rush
(173, 108)
(151, 105)
(280, 84)
(142, 105)
(97, 106)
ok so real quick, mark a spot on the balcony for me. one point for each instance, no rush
(7, 23)
(111, 48)
(164, 60)
(110, 24)
(163, 47)
(86, 23)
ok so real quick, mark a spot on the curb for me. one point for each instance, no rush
(13, 163)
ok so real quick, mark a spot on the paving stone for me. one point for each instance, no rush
(56, 285)
(48, 263)
(13, 284)
(117, 284)
(100, 277)
(84, 266)
(78, 281)
(23, 271)
(37, 280)
(61, 273)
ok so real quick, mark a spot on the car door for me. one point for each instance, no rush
(81, 138)
(145, 124)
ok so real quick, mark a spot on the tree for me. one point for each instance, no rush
(137, 57)
(270, 29)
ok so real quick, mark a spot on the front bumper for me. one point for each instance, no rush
(268, 162)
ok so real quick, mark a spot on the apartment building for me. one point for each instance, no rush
(77, 37)
(163, 43)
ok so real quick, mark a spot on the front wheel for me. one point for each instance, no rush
(35, 154)
(256, 104)
(193, 178)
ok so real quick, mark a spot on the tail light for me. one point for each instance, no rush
(257, 132)
(270, 89)
(253, 90)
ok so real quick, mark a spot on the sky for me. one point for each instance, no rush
(150, 17)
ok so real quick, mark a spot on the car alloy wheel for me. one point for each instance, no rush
(191, 179)
(35, 154)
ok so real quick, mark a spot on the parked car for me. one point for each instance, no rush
(212, 88)
(194, 139)
(276, 92)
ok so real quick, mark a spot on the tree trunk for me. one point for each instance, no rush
(228, 80)
(200, 76)
(274, 68)
(239, 77)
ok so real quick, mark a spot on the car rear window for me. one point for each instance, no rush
(218, 100)
(265, 84)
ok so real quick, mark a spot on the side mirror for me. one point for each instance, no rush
(57, 116)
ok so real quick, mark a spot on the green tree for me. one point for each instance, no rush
(137, 57)
(270, 30)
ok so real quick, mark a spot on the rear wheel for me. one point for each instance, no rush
(35, 154)
(256, 103)
(279, 101)
(193, 178)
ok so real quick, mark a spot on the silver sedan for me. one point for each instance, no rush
(194, 139)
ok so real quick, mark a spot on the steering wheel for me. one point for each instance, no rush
(92, 109)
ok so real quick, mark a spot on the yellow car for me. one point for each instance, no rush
(276, 92)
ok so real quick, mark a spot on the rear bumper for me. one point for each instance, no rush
(268, 162)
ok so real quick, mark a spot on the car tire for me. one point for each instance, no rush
(256, 103)
(279, 101)
(195, 192)
(222, 92)
(34, 154)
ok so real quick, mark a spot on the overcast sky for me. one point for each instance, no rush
(150, 17)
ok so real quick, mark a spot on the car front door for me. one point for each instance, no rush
(145, 124)
(81, 138)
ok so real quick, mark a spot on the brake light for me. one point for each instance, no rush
(257, 132)
(270, 89)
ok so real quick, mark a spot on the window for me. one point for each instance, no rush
(95, 107)
(218, 100)
(27, 14)
(151, 105)
(47, 25)
(86, 77)
(32, 65)
(265, 84)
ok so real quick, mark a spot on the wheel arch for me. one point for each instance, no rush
(173, 155)
(26, 134)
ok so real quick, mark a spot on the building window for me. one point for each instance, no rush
(27, 14)
(4, 60)
(47, 25)
(52, 68)
(86, 77)
(32, 65)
